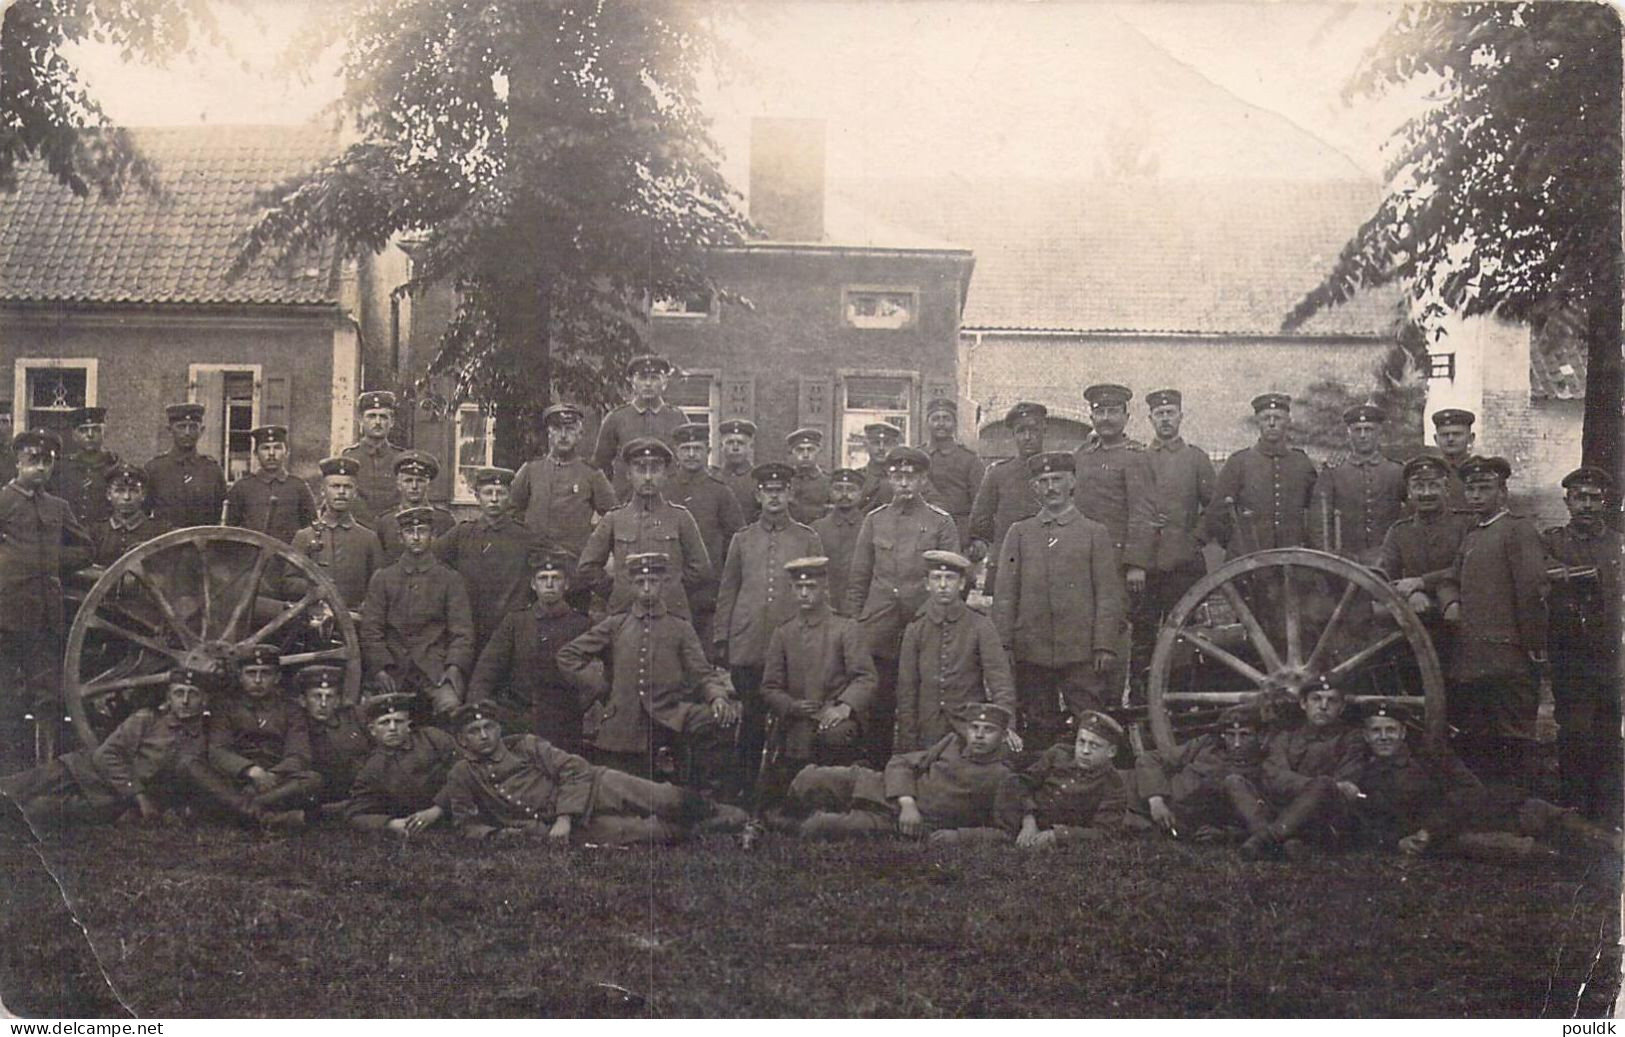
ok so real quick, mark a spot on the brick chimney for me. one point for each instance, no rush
(787, 178)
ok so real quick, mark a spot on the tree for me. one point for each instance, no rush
(46, 111)
(1504, 196)
(547, 157)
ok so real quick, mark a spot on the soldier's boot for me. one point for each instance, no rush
(1574, 836)
(1500, 847)
(215, 794)
(826, 826)
(1305, 807)
(1255, 814)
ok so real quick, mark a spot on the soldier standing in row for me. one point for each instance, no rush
(809, 491)
(647, 524)
(1006, 493)
(1261, 499)
(880, 439)
(1453, 435)
(1584, 645)
(556, 496)
(184, 488)
(375, 457)
(414, 471)
(270, 500)
(1114, 481)
(1358, 495)
(647, 416)
(715, 510)
(838, 531)
(738, 454)
(128, 526)
(494, 553)
(348, 551)
(1419, 550)
(417, 628)
(956, 471)
(80, 478)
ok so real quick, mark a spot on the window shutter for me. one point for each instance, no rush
(815, 408)
(737, 399)
(210, 390)
(275, 396)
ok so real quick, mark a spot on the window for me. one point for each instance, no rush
(51, 392)
(696, 396)
(866, 399)
(476, 437)
(1442, 365)
(230, 395)
(684, 306)
(880, 307)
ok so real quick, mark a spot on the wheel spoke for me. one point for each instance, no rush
(1212, 650)
(1324, 643)
(283, 618)
(1255, 631)
(1289, 608)
(250, 594)
(1215, 698)
(203, 578)
(1363, 656)
(98, 622)
(164, 607)
(123, 684)
(325, 655)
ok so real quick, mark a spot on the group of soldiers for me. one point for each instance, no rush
(629, 647)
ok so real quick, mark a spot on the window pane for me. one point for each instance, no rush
(879, 309)
(879, 394)
(687, 391)
(56, 388)
(473, 449)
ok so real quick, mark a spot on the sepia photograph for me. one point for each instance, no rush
(803, 509)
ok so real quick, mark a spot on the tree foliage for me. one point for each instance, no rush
(47, 113)
(1504, 194)
(547, 157)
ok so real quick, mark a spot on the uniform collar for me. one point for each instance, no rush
(136, 523)
(848, 517)
(21, 489)
(1272, 449)
(562, 462)
(366, 444)
(325, 518)
(417, 563)
(940, 614)
(487, 522)
(737, 472)
(281, 475)
(942, 448)
(651, 611)
(1177, 443)
(1491, 520)
(1366, 461)
(554, 611)
(653, 503)
(654, 408)
(774, 525)
(1063, 518)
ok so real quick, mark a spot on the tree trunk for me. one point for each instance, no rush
(1600, 443)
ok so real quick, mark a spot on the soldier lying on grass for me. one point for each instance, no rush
(1075, 794)
(396, 787)
(961, 789)
(522, 787)
(1194, 790)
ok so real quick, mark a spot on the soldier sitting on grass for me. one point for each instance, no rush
(962, 789)
(1074, 792)
(1193, 790)
(260, 742)
(337, 738)
(396, 788)
(1424, 800)
(523, 787)
(1309, 773)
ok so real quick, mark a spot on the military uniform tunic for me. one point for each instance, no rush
(951, 656)
(389, 530)
(1181, 487)
(519, 669)
(337, 750)
(1190, 778)
(743, 485)
(755, 593)
(494, 558)
(348, 551)
(816, 657)
(1584, 637)
(396, 782)
(527, 780)
(954, 789)
(1424, 547)
(1500, 572)
(114, 539)
(1114, 489)
(1067, 796)
(81, 480)
(375, 489)
(626, 423)
(1294, 758)
(185, 489)
(558, 499)
(876, 486)
(416, 621)
(956, 475)
(636, 528)
(838, 532)
(1272, 487)
(809, 495)
(278, 505)
(1060, 594)
(146, 750)
(716, 512)
(40, 539)
(267, 732)
(1356, 500)
(1005, 498)
(886, 586)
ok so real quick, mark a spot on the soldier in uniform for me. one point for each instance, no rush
(715, 510)
(80, 478)
(838, 531)
(951, 656)
(494, 553)
(880, 439)
(1453, 435)
(647, 416)
(956, 471)
(270, 500)
(349, 551)
(375, 457)
(1500, 577)
(1584, 646)
(1204, 786)
(1059, 604)
(738, 443)
(886, 586)
(185, 488)
(414, 471)
(417, 628)
(1006, 494)
(519, 667)
(657, 687)
(40, 540)
(1358, 495)
(809, 490)
(1074, 792)
(396, 789)
(128, 526)
(1181, 487)
(557, 496)
(1309, 773)
(647, 524)
(961, 789)
(260, 742)
(1114, 481)
(1419, 550)
(1267, 487)
(337, 738)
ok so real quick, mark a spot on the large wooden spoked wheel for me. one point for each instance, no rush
(195, 597)
(1283, 619)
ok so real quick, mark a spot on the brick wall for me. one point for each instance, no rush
(1541, 439)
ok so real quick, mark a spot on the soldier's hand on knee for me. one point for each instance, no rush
(397, 826)
(1160, 814)
(559, 833)
(422, 820)
(1013, 742)
(262, 779)
(1028, 836)
(909, 821)
(726, 711)
(833, 714)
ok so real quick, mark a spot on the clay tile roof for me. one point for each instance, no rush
(140, 248)
(1557, 358)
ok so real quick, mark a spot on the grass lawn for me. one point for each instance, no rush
(331, 923)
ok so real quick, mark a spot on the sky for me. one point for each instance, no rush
(916, 88)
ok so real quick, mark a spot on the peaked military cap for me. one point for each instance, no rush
(269, 434)
(1051, 461)
(375, 706)
(946, 561)
(847, 475)
(562, 414)
(1321, 685)
(1026, 409)
(773, 473)
(1426, 464)
(1106, 394)
(554, 562)
(339, 465)
(737, 427)
(1272, 401)
(986, 712)
(259, 655)
(908, 459)
(1103, 726)
(183, 412)
(88, 416)
(378, 399)
(693, 432)
(804, 435)
(419, 516)
(646, 448)
(1380, 708)
(417, 462)
(1587, 475)
(320, 676)
(806, 570)
(126, 473)
(1242, 716)
(36, 439)
(942, 403)
(1453, 416)
(191, 677)
(651, 363)
(469, 712)
(882, 430)
(488, 476)
(1163, 398)
(652, 563)
(1477, 467)
(1364, 412)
